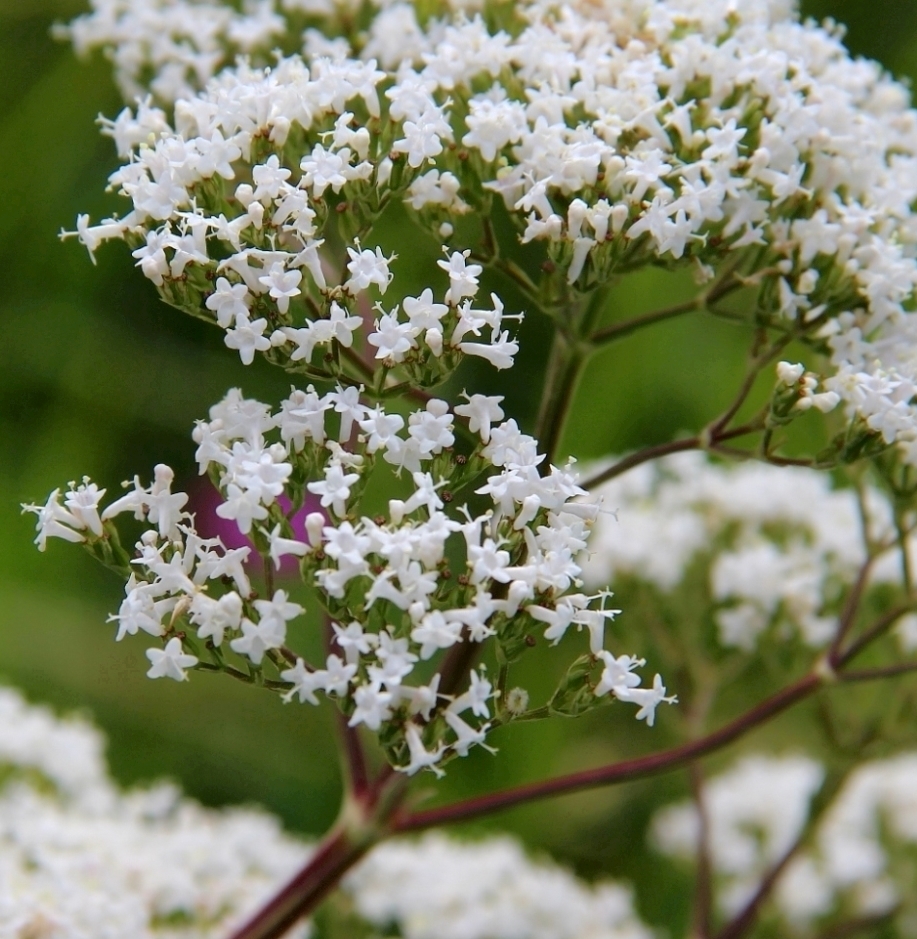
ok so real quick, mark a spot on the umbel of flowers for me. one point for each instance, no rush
(545, 148)
(726, 136)
(423, 578)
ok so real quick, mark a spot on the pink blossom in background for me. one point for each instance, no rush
(205, 500)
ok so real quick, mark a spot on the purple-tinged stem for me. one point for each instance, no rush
(624, 771)
(334, 857)
(703, 885)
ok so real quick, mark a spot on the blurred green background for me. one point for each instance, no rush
(98, 377)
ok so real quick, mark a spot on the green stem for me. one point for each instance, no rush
(564, 365)
(619, 330)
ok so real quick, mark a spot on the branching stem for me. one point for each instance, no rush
(625, 771)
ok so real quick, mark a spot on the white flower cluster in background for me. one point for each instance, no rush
(485, 890)
(385, 581)
(781, 545)
(172, 47)
(80, 858)
(860, 859)
(615, 134)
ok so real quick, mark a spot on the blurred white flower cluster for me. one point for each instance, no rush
(859, 859)
(79, 858)
(780, 545)
(485, 890)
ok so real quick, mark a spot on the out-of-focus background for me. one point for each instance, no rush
(97, 376)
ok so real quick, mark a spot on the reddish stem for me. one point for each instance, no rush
(848, 615)
(334, 857)
(703, 886)
(881, 626)
(739, 926)
(642, 456)
(354, 758)
(872, 674)
(380, 807)
(616, 772)
(457, 664)
(664, 449)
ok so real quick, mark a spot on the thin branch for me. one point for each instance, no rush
(824, 673)
(515, 273)
(860, 924)
(848, 614)
(746, 918)
(642, 456)
(748, 383)
(703, 884)
(872, 674)
(879, 628)
(353, 759)
(268, 577)
(558, 396)
(749, 913)
(457, 664)
(620, 330)
(758, 364)
(614, 773)
(367, 372)
(664, 449)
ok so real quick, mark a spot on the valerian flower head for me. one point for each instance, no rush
(386, 582)
(692, 132)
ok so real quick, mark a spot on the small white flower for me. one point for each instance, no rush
(305, 683)
(228, 303)
(393, 340)
(463, 277)
(367, 266)
(335, 488)
(170, 662)
(248, 338)
(482, 412)
(372, 707)
(282, 285)
(214, 618)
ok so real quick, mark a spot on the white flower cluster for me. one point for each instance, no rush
(781, 545)
(172, 47)
(757, 810)
(250, 255)
(484, 890)
(615, 133)
(80, 858)
(858, 861)
(386, 581)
